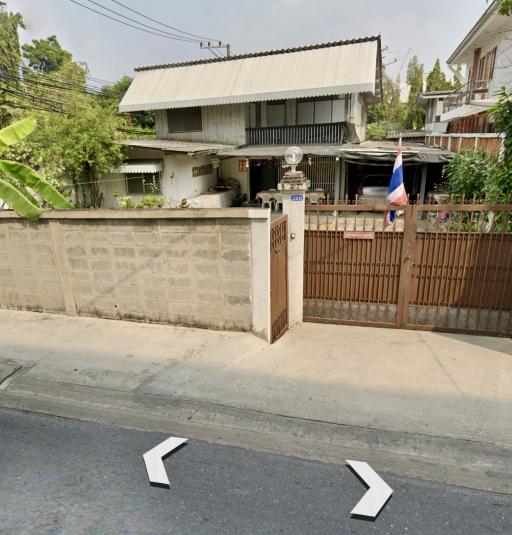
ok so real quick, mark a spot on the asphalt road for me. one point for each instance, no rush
(60, 476)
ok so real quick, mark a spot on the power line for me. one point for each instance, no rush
(141, 23)
(131, 25)
(161, 23)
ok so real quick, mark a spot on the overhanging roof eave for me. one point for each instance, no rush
(247, 98)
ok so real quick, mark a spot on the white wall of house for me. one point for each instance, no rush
(503, 69)
(177, 180)
(221, 124)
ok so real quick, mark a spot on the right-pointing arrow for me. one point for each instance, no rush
(377, 494)
(153, 459)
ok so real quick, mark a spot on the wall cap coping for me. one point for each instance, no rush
(145, 213)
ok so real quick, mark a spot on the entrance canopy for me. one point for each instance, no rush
(373, 151)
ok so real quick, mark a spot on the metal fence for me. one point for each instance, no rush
(445, 267)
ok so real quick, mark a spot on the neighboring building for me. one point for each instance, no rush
(433, 102)
(485, 52)
(485, 55)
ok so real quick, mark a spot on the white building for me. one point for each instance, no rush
(486, 54)
(230, 119)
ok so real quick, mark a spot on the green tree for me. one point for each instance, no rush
(415, 115)
(501, 115)
(46, 55)
(436, 79)
(113, 94)
(83, 144)
(9, 62)
(505, 7)
(21, 187)
(389, 114)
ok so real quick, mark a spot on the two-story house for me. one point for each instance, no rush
(486, 58)
(231, 119)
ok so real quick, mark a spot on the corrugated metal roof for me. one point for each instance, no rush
(319, 70)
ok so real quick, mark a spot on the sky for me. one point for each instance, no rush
(426, 28)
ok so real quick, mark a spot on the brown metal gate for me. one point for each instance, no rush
(279, 277)
(443, 267)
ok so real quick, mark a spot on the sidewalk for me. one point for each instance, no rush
(430, 405)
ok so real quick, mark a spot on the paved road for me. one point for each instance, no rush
(60, 476)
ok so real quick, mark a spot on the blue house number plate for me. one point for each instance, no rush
(297, 197)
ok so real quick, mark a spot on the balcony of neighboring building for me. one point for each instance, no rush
(473, 98)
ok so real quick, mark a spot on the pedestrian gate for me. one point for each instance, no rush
(279, 277)
(437, 267)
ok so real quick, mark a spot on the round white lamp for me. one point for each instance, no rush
(293, 157)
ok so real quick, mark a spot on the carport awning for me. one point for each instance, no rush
(135, 167)
(368, 151)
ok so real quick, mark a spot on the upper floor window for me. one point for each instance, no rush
(276, 113)
(184, 120)
(319, 111)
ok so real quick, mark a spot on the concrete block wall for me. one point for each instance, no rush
(28, 274)
(194, 271)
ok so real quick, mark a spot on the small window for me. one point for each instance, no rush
(143, 184)
(184, 120)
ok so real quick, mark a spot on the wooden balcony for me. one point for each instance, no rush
(301, 134)
(474, 90)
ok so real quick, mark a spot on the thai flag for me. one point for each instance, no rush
(397, 195)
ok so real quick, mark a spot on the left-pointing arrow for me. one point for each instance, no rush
(153, 459)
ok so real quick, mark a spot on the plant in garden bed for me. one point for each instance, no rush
(21, 188)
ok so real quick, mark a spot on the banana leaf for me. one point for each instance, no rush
(31, 179)
(16, 132)
(22, 189)
(17, 201)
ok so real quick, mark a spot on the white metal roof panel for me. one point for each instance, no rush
(310, 72)
(140, 166)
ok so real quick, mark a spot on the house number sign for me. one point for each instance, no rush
(358, 235)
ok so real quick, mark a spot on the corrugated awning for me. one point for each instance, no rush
(335, 69)
(369, 151)
(168, 145)
(132, 167)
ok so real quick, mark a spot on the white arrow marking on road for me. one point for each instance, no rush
(377, 494)
(154, 462)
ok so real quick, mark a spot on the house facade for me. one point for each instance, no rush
(484, 54)
(229, 120)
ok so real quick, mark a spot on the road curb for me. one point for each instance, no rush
(447, 460)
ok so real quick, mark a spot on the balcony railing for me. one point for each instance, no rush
(301, 134)
(474, 90)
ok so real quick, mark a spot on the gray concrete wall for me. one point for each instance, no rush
(193, 267)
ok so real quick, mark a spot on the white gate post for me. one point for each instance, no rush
(293, 189)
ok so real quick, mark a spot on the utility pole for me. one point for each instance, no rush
(215, 45)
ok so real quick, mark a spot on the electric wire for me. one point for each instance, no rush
(141, 23)
(131, 25)
(161, 23)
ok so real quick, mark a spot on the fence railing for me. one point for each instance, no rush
(473, 90)
(300, 134)
(437, 266)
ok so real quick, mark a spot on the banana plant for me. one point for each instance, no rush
(17, 180)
